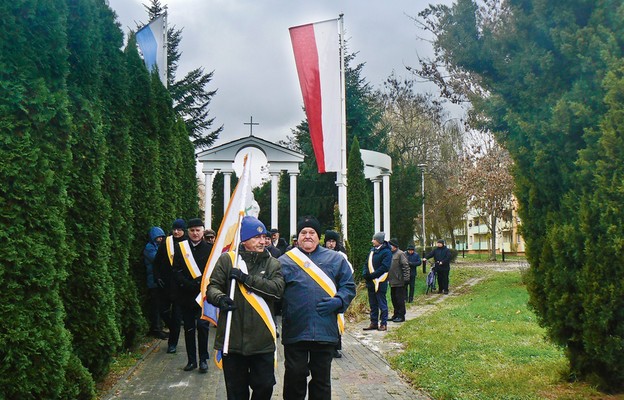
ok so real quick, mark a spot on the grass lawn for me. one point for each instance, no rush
(484, 344)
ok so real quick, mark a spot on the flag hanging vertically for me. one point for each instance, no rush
(241, 201)
(317, 56)
(152, 39)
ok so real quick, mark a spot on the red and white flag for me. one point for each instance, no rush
(317, 56)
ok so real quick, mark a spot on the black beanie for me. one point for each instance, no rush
(309, 222)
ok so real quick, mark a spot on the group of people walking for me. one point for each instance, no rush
(314, 284)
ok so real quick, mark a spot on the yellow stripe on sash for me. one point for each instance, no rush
(319, 276)
(170, 248)
(189, 260)
(257, 303)
(376, 281)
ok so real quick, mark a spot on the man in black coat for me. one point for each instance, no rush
(442, 264)
(188, 266)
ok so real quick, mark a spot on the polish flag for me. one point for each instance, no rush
(317, 56)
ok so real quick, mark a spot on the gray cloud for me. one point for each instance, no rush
(247, 45)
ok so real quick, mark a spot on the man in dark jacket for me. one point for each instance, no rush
(250, 359)
(319, 288)
(398, 275)
(413, 258)
(442, 264)
(376, 273)
(278, 241)
(163, 274)
(188, 266)
(156, 237)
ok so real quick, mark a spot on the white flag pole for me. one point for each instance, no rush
(241, 214)
(341, 176)
(165, 46)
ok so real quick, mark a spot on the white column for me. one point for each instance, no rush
(208, 198)
(376, 204)
(274, 200)
(226, 190)
(386, 205)
(341, 182)
(293, 204)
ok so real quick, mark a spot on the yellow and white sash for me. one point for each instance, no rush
(319, 276)
(189, 260)
(170, 248)
(257, 303)
(371, 269)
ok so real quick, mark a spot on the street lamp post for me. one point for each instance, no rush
(422, 187)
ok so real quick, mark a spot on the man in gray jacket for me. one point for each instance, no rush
(398, 277)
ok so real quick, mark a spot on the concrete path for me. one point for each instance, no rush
(362, 372)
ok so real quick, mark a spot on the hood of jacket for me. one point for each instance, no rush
(155, 231)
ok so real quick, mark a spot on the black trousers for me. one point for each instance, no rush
(410, 287)
(243, 372)
(193, 323)
(397, 296)
(171, 314)
(443, 278)
(303, 359)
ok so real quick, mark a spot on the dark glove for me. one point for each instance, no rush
(367, 276)
(239, 275)
(226, 304)
(328, 305)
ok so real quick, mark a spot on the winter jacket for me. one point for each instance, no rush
(300, 320)
(414, 261)
(441, 256)
(149, 254)
(399, 272)
(382, 259)
(163, 272)
(184, 287)
(249, 334)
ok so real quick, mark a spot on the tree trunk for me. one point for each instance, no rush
(493, 232)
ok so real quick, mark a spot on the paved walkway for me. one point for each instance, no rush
(362, 372)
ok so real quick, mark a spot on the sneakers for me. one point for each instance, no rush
(398, 319)
(171, 349)
(382, 328)
(203, 366)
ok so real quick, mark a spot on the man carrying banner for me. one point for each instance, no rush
(250, 359)
(376, 274)
(188, 266)
(319, 288)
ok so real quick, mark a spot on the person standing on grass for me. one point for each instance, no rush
(398, 276)
(413, 259)
(319, 289)
(442, 264)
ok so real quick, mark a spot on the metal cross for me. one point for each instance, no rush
(251, 124)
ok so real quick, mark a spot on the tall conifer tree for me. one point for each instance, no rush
(89, 285)
(36, 352)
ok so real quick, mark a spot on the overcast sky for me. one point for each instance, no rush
(247, 45)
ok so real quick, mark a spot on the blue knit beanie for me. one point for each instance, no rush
(179, 224)
(251, 227)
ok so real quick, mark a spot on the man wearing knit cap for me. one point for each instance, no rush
(250, 360)
(319, 288)
(163, 273)
(188, 266)
(376, 273)
(442, 264)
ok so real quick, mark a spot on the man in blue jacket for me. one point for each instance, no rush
(413, 258)
(319, 288)
(376, 275)
(156, 237)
